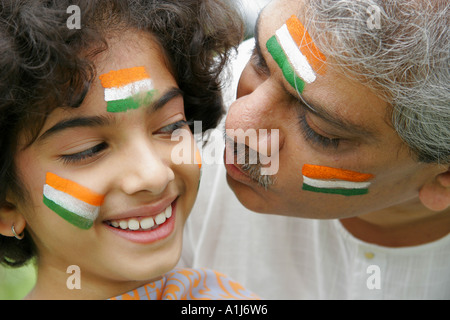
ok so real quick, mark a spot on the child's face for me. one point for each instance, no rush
(124, 156)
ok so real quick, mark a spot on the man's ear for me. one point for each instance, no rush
(9, 216)
(435, 195)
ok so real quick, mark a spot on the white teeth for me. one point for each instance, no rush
(145, 224)
(133, 224)
(168, 212)
(123, 224)
(160, 218)
(115, 224)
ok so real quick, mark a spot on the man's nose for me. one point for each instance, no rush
(257, 108)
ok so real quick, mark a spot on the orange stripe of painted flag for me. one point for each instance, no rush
(74, 189)
(198, 158)
(304, 41)
(327, 173)
(120, 78)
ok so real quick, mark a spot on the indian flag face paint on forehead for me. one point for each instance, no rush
(76, 204)
(335, 181)
(124, 89)
(296, 54)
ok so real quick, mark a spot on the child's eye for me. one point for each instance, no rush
(84, 155)
(169, 129)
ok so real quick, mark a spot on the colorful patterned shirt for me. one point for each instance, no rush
(190, 284)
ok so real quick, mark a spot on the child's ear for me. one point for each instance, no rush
(435, 195)
(10, 216)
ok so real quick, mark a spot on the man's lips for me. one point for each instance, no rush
(248, 172)
(234, 170)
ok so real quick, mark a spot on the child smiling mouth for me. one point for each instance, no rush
(142, 224)
(145, 225)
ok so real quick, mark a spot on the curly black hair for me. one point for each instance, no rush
(45, 64)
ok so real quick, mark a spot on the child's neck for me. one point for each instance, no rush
(54, 284)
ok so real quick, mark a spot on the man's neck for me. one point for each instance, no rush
(401, 226)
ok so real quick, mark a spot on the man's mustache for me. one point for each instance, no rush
(248, 160)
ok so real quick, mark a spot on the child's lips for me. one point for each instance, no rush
(142, 223)
(145, 229)
(149, 210)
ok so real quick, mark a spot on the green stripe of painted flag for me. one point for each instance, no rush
(344, 192)
(131, 103)
(69, 216)
(281, 59)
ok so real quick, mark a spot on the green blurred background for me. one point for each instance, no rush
(16, 283)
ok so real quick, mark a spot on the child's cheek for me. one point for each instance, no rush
(74, 203)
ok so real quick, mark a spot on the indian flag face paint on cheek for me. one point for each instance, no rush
(296, 54)
(335, 181)
(123, 89)
(71, 201)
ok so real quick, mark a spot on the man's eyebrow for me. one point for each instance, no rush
(258, 20)
(258, 50)
(338, 121)
(105, 120)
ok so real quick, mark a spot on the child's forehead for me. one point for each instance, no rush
(130, 73)
(131, 47)
(132, 55)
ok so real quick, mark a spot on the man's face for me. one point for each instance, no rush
(332, 125)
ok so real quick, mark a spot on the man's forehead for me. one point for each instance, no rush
(272, 17)
(278, 11)
(290, 46)
(317, 94)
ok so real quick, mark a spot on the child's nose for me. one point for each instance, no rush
(146, 170)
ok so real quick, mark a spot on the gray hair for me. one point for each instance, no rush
(401, 49)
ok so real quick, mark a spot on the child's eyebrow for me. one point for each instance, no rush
(168, 96)
(105, 120)
(95, 121)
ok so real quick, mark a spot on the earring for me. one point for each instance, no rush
(18, 237)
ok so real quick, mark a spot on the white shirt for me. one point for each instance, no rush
(281, 257)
